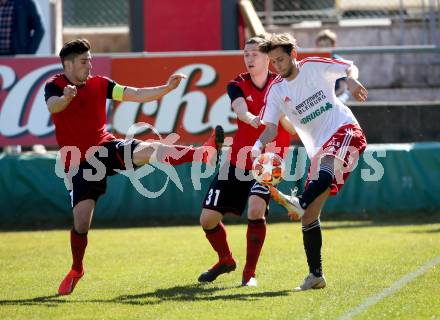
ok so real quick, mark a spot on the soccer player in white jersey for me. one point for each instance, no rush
(328, 129)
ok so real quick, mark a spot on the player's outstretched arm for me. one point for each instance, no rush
(240, 107)
(269, 133)
(152, 93)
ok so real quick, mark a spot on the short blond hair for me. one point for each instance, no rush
(286, 41)
(326, 34)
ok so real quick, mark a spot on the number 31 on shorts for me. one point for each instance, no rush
(209, 199)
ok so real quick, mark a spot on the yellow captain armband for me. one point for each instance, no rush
(118, 92)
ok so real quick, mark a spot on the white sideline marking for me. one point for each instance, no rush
(396, 286)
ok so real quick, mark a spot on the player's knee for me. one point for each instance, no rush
(205, 223)
(255, 213)
(82, 216)
(208, 222)
(82, 225)
(310, 215)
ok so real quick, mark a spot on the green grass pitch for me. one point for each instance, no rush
(151, 273)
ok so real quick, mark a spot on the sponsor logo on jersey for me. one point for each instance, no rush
(249, 98)
(311, 102)
(316, 113)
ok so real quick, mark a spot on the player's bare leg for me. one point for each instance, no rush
(211, 222)
(309, 206)
(255, 236)
(155, 151)
(312, 201)
(210, 218)
(82, 217)
(296, 206)
(313, 211)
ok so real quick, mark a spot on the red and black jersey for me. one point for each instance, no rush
(246, 135)
(83, 123)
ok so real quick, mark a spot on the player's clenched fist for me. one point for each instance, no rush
(69, 92)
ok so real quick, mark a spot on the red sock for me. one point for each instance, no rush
(78, 244)
(179, 154)
(256, 233)
(217, 239)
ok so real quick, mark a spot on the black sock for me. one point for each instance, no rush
(312, 239)
(316, 187)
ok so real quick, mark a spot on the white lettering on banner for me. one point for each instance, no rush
(16, 103)
(194, 102)
(221, 113)
(197, 113)
(8, 76)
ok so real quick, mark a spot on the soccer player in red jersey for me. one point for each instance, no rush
(77, 102)
(233, 187)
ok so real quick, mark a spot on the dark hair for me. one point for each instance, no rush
(285, 41)
(73, 48)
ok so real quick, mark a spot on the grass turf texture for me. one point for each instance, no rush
(151, 273)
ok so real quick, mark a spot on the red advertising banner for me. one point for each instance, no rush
(191, 110)
(24, 118)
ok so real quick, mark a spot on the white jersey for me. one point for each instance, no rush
(309, 101)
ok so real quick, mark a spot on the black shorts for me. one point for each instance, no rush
(88, 183)
(231, 194)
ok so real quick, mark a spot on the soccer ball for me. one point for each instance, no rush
(268, 169)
